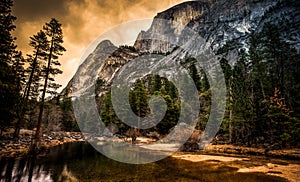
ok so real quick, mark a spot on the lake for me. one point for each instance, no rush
(81, 162)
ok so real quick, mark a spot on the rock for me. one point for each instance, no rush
(270, 165)
(189, 147)
(155, 135)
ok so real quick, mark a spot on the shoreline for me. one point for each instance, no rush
(11, 149)
(17, 149)
(289, 154)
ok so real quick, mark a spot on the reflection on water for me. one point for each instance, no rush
(80, 162)
(24, 169)
(135, 154)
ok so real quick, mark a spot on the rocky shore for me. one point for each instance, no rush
(11, 148)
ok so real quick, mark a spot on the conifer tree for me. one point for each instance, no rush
(138, 100)
(241, 107)
(195, 76)
(40, 45)
(54, 34)
(156, 84)
(9, 86)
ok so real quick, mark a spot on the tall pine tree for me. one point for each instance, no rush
(54, 33)
(40, 45)
(9, 85)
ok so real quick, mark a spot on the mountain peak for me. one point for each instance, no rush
(103, 45)
(173, 21)
(187, 6)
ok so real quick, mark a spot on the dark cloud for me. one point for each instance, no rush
(32, 10)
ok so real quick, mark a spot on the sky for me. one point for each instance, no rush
(83, 21)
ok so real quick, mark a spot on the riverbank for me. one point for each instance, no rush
(238, 159)
(240, 150)
(80, 162)
(287, 169)
(11, 149)
(20, 148)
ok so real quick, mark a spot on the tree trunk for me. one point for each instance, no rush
(38, 133)
(230, 114)
(25, 98)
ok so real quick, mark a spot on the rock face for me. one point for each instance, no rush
(216, 21)
(168, 25)
(221, 21)
(90, 66)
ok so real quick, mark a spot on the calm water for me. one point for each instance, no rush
(80, 162)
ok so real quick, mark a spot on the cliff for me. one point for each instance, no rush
(217, 22)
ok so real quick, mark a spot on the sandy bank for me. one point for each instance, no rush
(289, 171)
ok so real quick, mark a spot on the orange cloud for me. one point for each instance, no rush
(83, 21)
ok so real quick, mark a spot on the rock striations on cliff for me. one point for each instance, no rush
(216, 21)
